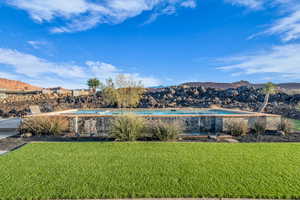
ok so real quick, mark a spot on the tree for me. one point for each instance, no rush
(124, 92)
(93, 84)
(109, 93)
(129, 91)
(269, 89)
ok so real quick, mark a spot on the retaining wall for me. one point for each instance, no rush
(99, 125)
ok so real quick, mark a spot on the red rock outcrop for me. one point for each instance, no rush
(16, 85)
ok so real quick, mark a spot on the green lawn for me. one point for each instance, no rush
(111, 170)
(297, 124)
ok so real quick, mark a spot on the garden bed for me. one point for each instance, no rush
(293, 137)
(13, 142)
(126, 170)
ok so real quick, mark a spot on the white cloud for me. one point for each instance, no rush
(287, 26)
(253, 4)
(284, 61)
(146, 81)
(170, 10)
(33, 66)
(49, 74)
(78, 24)
(8, 76)
(104, 70)
(189, 4)
(46, 10)
(84, 14)
(36, 44)
(49, 82)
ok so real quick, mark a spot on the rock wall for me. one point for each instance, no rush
(100, 126)
(244, 98)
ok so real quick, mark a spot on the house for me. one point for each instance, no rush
(81, 92)
(56, 90)
(3, 93)
(46, 91)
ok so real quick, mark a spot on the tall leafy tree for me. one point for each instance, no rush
(93, 84)
(269, 89)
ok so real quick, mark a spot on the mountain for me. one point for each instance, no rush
(287, 86)
(6, 84)
(158, 86)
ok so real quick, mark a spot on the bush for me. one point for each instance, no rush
(44, 126)
(237, 127)
(127, 127)
(286, 125)
(164, 131)
(259, 128)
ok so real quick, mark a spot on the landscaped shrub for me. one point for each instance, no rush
(164, 131)
(259, 128)
(127, 127)
(237, 127)
(44, 126)
(286, 125)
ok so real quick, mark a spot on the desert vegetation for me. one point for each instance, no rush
(287, 126)
(122, 92)
(164, 130)
(237, 127)
(259, 128)
(127, 127)
(44, 126)
(130, 127)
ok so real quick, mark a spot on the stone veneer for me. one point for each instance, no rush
(99, 125)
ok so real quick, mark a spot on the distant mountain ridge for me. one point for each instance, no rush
(6, 84)
(287, 86)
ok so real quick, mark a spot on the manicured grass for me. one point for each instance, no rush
(110, 170)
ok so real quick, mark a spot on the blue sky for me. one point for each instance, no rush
(161, 42)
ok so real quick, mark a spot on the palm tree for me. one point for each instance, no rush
(269, 89)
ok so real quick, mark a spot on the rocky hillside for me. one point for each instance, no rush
(16, 85)
(284, 86)
(244, 98)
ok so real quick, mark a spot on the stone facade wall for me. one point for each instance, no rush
(100, 126)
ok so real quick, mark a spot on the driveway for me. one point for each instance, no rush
(8, 127)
